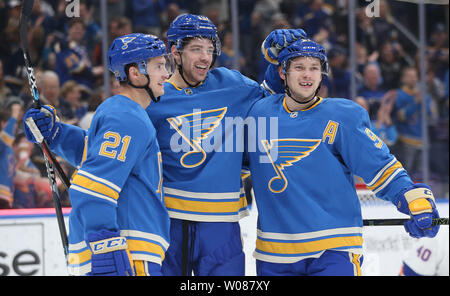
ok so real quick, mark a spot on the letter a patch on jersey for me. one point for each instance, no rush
(284, 153)
(194, 128)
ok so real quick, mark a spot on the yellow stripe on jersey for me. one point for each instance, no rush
(145, 246)
(205, 206)
(356, 260)
(95, 186)
(140, 268)
(7, 138)
(83, 158)
(6, 192)
(387, 173)
(79, 258)
(308, 247)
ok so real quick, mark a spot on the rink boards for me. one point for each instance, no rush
(30, 243)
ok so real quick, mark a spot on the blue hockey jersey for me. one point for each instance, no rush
(200, 134)
(118, 184)
(303, 177)
(7, 162)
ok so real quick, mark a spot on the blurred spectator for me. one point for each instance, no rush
(438, 51)
(93, 31)
(72, 59)
(118, 26)
(226, 58)
(10, 52)
(49, 88)
(365, 32)
(5, 91)
(372, 89)
(363, 58)
(30, 189)
(145, 15)
(173, 10)
(383, 25)
(72, 108)
(391, 63)
(408, 119)
(340, 74)
(318, 21)
(94, 101)
(262, 15)
(42, 16)
(382, 125)
(438, 130)
(50, 93)
(8, 119)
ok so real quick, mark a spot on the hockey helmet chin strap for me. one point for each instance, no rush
(147, 88)
(180, 70)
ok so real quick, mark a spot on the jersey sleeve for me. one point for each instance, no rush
(255, 91)
(114, 146)
(367, 156)
(272, 80)
(69, 144)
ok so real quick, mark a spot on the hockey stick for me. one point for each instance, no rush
(394, 222)
(50, 161)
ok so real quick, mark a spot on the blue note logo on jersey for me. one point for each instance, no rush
(284, 153)
(194, 128)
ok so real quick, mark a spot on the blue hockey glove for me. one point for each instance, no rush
(41, 124)
(109, 254)
(279, 39)
(418, 202)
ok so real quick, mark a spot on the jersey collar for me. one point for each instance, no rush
(309, 108)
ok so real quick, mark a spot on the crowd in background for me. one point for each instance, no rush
(66, 53)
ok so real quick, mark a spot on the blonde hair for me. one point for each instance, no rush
(67, 87)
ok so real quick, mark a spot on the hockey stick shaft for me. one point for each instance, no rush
(394, 222)
(50, 162)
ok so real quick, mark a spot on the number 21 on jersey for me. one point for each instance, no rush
(111, 146)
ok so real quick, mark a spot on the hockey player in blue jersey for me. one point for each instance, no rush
(118, 224)
(309, 216)
(202, 184)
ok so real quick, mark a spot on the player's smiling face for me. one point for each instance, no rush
(303, 77)
(197, 57)
(156, 67)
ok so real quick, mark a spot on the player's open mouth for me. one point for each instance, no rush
(201, 69)
(306, 84)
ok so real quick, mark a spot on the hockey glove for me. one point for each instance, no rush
(109, 254)
(418, 202)
(41, 124)
(279, 39)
